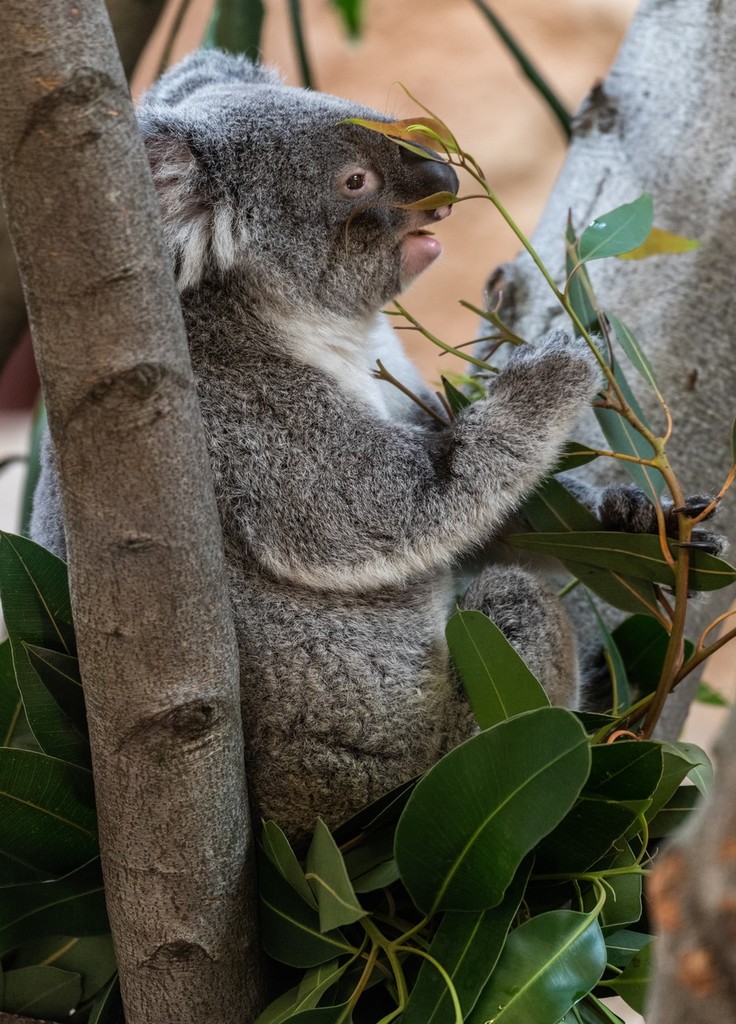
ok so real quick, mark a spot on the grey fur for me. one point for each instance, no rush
(343, 509)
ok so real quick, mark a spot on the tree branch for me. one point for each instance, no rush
(156, 642)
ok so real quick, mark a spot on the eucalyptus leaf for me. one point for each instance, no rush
(524, 775)
(41, 991)
(620, 591)
(621, 696)
(636, 554)
(304, 996)
(352, 13)
(455, 398)
(625, 770)
(322, 1015)
(290, 929)
(675, 767)
(12, 715)
(548, 963)
(330, 883)
(623, 899)
(496, 679)
(623, 438)
(675, 812)
(617, 231)
(236, 25)
(578, 288)
(92, 957)
(72, 905)
(622, 946)
(552, 508)
(278, 850)
(633, 983)
(701, 772)
(643, 644)
(633, 350)
(468, 946)
(659, 243)
(586, 836)
(370, 864)
(574, 454)
(377, 815)
(47, 810)
(35, 596)
(59, 673)
(706, 694)
(108, 1006)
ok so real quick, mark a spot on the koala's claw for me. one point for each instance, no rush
(627, 508)
(695, 505)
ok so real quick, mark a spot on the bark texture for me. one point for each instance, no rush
(132, 22)
(663, 121)
(156, 642)
(692, 898)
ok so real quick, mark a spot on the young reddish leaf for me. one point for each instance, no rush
(427, 131)
(660, 242)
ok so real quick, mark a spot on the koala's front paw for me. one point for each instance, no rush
(626, 508)
(562, 362)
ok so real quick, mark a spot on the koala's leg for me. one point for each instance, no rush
(534, 621)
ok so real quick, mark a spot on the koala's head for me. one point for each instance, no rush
(264, 184)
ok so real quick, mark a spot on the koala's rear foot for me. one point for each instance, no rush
(533, 620)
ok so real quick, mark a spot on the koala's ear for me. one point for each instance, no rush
(186, 210)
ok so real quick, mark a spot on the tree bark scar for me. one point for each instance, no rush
(76, 111)
(599, 111)
(177, 952)
(666, 886)
(137, 385)
(696, 971)
(177, 731)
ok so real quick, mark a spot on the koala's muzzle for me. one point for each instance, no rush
(427, 174)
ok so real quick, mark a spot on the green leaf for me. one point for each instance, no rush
(625, 770)
(72, 905)
(553, 509)
(12, 715)
(618, 231)
(636, 554)
(659, 243)
(622, 946)
(643, 644)
(674, 771)
(619, 679)
(455, 398)
(35, 596)
(701, 773)
(623, 438)
(290, 929)
(108, 1007)
(574, 454)
(382, 812)
(633, 350)
(278, 850)
(548, 964)
(468, 946)
(352, 14)
(41, 991)
(322, 1015)
(371, 863)
(593, 1011)
(304, 996)
(485, 805)
(620, 591)
(585, 837)
(675, 812)
(92, 957)
(623, 902)
(47, 810)
(578, 288)
(705, 694)
(633, 983)
(59, 673)
(497, 682)
(328, 878)
(236, 26)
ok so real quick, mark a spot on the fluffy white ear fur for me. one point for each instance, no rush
(196, 230)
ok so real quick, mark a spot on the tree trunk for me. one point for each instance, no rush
(664, 121)
(132, 21)
(156, 643)
(692, 897)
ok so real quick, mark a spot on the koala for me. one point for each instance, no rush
(345, 508)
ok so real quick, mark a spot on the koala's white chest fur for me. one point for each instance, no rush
(348, 350)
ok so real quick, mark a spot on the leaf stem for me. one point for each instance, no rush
(443, 973)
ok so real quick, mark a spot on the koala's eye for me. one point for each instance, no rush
(355, 182)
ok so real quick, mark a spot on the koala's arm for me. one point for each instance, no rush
(355, 503)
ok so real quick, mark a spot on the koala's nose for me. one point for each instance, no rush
(428, 174)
